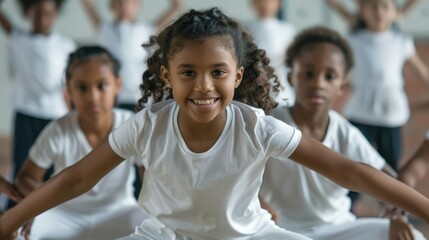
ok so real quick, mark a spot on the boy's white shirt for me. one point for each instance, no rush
(378, 96)
(38, 63)
(62, 143)
(124, 40)
(304, 199)
(213, 194)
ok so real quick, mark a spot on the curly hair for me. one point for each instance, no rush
(315, 35)
(258, 80)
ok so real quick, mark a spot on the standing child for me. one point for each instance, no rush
(416, 168)
(93, 82)
(378, 103)
(273, 35)
(123, 38)
(38, 59)
(204, 154)
(308, 203)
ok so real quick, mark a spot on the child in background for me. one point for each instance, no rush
(108, 209)
(354, 20)
(416, 168)
(204, 154)
(38, 59)
(274, 36)
(123, 38)
(306, 202)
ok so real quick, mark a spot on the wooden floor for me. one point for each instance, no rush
(413, 132)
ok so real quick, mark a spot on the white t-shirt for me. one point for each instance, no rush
(274, 36)
(124, 40)
(213, 194)
(62, 143)
(38, 63)
(304, 199)
(378, 96)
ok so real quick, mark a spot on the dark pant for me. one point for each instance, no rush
(387, 141)
(26, 131)
(137, 183)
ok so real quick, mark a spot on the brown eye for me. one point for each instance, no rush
(309, 74)
(218, 73)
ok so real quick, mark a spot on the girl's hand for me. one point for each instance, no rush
(26, 230)
(400, 229)
(10, 190)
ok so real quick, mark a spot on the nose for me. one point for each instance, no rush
(91, 95)
(319, 81)
(204, 83)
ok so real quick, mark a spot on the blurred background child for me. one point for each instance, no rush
(273, 35)
(37, 58)
(109, 209)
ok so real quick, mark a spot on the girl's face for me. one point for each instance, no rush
(318, 76)
(378, 14)
(125, 10)
(203, 75)
(93, 88)
(43, 16)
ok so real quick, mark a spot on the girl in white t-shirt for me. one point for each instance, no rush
(307, 202)
(37, 59)
(378, 104)
(108, 209)
(205, 150)
(416, 168)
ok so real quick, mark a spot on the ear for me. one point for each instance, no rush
(238, 77)
(345, 85)
(118, 83)
(165, 74)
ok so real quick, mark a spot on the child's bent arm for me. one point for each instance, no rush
(92, 13)
(70, 183)
(407, 7)
(167, 16)
(360, 177)
(417, 167)
(10, 190)
(7, 26)
(29, 177)
(342, 11)
(419, 67)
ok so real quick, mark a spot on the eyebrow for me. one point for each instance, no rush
(222, 64)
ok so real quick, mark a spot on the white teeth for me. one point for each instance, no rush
(204, 101)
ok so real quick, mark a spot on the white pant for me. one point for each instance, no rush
(361, 228)
(152, 229)
(109, 223)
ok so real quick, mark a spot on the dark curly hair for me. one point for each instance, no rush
(85, 53)
(258, 80)
(315, 35)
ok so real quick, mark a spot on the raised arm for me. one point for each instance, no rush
(342, 11)
(175, 6)
(407, 7)
(70, 183)
(417, 167)
(92, 13)
(360, 177)
(418, 66)
(5, 23)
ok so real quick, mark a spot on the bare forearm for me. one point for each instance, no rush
(167, 16)
(408, 6)
(7, 26)
(26, 184)
(92, 13)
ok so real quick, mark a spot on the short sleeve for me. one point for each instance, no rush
(283, 140)
(409, 48)
(124, 139)
(47, 146)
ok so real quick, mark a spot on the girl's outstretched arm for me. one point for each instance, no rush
(70, 183)
(342, 11)
(418, 67)
(417, 167)
(360, 177)
(407, 7)
(92, 13)
(167, 16)
(4, 22)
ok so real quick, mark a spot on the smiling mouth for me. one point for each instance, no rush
(204, 101)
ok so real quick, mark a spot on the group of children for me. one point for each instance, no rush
(220, 158)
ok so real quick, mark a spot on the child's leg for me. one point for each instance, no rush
(361, 228)
(273, 232)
